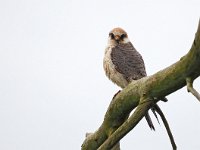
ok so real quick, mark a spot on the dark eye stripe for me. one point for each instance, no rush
(111, 35)
(123, 36)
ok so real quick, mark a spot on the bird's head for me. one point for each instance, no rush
(117, 36)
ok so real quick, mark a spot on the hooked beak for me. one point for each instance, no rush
(117, 38)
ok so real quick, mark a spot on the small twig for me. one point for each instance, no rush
(154, 112)
(159, 111)
(191, 89)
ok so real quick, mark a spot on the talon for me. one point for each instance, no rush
(116, 94)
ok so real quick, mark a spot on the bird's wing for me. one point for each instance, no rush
(128, 61)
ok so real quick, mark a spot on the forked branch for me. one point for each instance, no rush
(129, 124)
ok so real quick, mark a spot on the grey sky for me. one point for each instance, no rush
(52, 85)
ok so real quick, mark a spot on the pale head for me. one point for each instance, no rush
(116, 36)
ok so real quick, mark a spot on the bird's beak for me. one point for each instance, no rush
(117, 38)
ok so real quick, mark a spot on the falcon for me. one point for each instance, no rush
(122, 62)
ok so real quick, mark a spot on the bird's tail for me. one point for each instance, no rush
(149, 121)
(148, 118)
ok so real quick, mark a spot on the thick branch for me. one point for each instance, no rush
(158, 85)
(129, 124)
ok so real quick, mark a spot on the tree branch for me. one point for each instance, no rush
(129, 124)
(156, 86)
(159, 111)
(191, 89)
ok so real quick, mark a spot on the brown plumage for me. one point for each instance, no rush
(123, 63)
(128, 61)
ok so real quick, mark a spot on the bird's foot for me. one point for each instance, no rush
(116, 94)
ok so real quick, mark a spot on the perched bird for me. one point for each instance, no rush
(122, 62)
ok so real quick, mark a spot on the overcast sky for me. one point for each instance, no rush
(52, 85)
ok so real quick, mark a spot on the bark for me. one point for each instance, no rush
(144, 94)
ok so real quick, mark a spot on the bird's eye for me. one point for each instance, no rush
(111, 35)
(123, 36)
